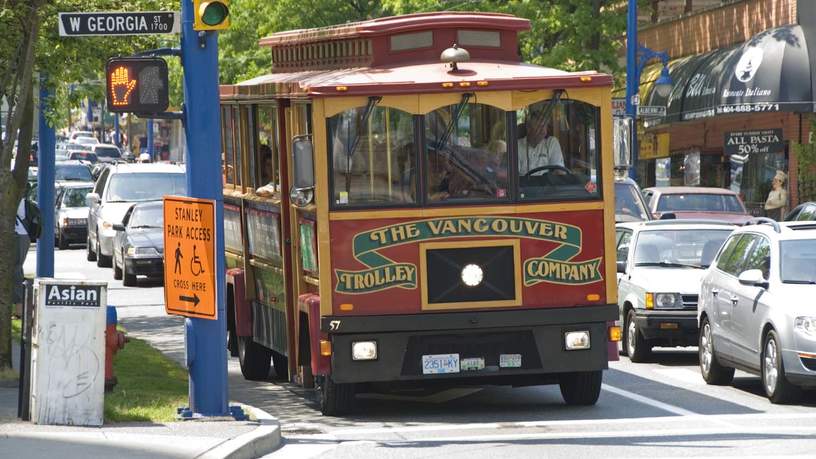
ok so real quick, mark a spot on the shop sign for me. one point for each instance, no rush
(654, 146)
(750, 142)
(619, 107)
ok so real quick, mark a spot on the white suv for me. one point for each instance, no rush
(660, 264)
(117, 189)
(756, 308)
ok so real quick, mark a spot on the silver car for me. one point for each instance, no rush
(756, 308)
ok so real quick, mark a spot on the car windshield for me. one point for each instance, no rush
(83, 155)
(75, 197)
(72, 172)
(798, 261)
(150, 216)
(699, 202)
(677, 248)
(628, 204)
(86, 140)
(107, 152)
(145, 186)
(75, 146)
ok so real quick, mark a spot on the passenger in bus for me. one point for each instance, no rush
(268, 187)
(537, 147)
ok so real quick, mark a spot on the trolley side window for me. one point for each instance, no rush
(228, 156)
(373, 157)
(239, 140)
(466, 148)
(558, 152)
(267, 153)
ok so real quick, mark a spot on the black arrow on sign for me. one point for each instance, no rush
(191, 299)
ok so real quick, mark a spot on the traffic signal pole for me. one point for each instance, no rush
(206, 339)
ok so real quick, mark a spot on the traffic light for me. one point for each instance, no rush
(137, 85)
(211, 14)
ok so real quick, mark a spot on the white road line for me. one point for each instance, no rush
(648, 401)
(684, 375)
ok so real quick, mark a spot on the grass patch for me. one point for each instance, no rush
(16, 326)
(150, 387)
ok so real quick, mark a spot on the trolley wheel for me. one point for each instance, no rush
(232, 343)
(581, 388)
(335, 399)
(255, 359)
(281, 364)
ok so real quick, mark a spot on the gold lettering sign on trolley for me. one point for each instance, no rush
(654, 146)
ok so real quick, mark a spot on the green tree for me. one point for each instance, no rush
(31, 47)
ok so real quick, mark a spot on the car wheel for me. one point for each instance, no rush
(101, 260)
(581, 388)
(128, 280)
(117, 271)
(91, 254)
(776, 384)
(713, 372)
(637, 348)
(62, 244)
(335, 399)
(255, 359)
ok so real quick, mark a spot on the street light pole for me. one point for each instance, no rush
(632, 82)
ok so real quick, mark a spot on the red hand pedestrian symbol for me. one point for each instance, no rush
(122, 86)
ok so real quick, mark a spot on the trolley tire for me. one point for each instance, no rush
(255, 359)
(783, 391)
(639, 350)
(335, 399)
(581, 388)
(232, 343)
(281, 364)
(91, 255)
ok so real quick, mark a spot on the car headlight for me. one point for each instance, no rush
(63, 221)
(142, 251)
(664, 300)
(806, 325)
(131, 251)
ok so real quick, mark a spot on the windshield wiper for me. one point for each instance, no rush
(670, 264)
(803, 282)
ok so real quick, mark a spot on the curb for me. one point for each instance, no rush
(261, 441)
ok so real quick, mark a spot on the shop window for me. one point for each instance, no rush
(558, 152)
(267, 172)
(373, 153)
(752, 177)
(467, 158)
(228, 156)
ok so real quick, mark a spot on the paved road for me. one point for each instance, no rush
(660, 408)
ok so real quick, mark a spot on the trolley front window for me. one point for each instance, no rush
(372, 153)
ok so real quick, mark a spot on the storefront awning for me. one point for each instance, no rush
(768, 73)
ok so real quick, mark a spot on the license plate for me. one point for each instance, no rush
(510, 360)
(472, 364)
(440, 364)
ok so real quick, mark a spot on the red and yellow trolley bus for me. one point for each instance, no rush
(406, 202)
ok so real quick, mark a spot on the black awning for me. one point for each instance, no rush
(768, 73)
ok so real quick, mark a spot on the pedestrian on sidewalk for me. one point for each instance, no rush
(20, 252)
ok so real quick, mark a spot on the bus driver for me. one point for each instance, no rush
(538, 148)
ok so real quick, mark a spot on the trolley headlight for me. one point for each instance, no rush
(806, 325)
(472, 275)
(364, 350)
(576, 340)
(301, 197)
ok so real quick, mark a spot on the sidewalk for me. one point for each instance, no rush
(221, 438)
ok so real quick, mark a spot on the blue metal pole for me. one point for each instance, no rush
(207, 338)
(150, 147)
(632, 81)
(45, 189)
(116, 137)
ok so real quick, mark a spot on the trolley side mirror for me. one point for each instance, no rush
(302, 191)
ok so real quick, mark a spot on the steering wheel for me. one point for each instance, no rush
(548, 168)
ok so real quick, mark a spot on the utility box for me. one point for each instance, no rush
(68, 352)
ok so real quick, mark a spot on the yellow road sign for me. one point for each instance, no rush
(189, 257)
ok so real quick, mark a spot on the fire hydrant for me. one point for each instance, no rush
(114, 340)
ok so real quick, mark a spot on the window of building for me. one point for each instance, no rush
(558, 152)
(373, 154)
(467, 157)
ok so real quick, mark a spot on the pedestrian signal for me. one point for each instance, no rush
(137, 85)
(211, 14)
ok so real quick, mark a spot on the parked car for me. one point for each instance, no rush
(71, 212)
(74, 171)
(696, 202)
(803, 212)
(107, 153)
(85, 156)
(660, 264)
(117, 188)
(139, 243)
(629, 203)
(756, 308)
